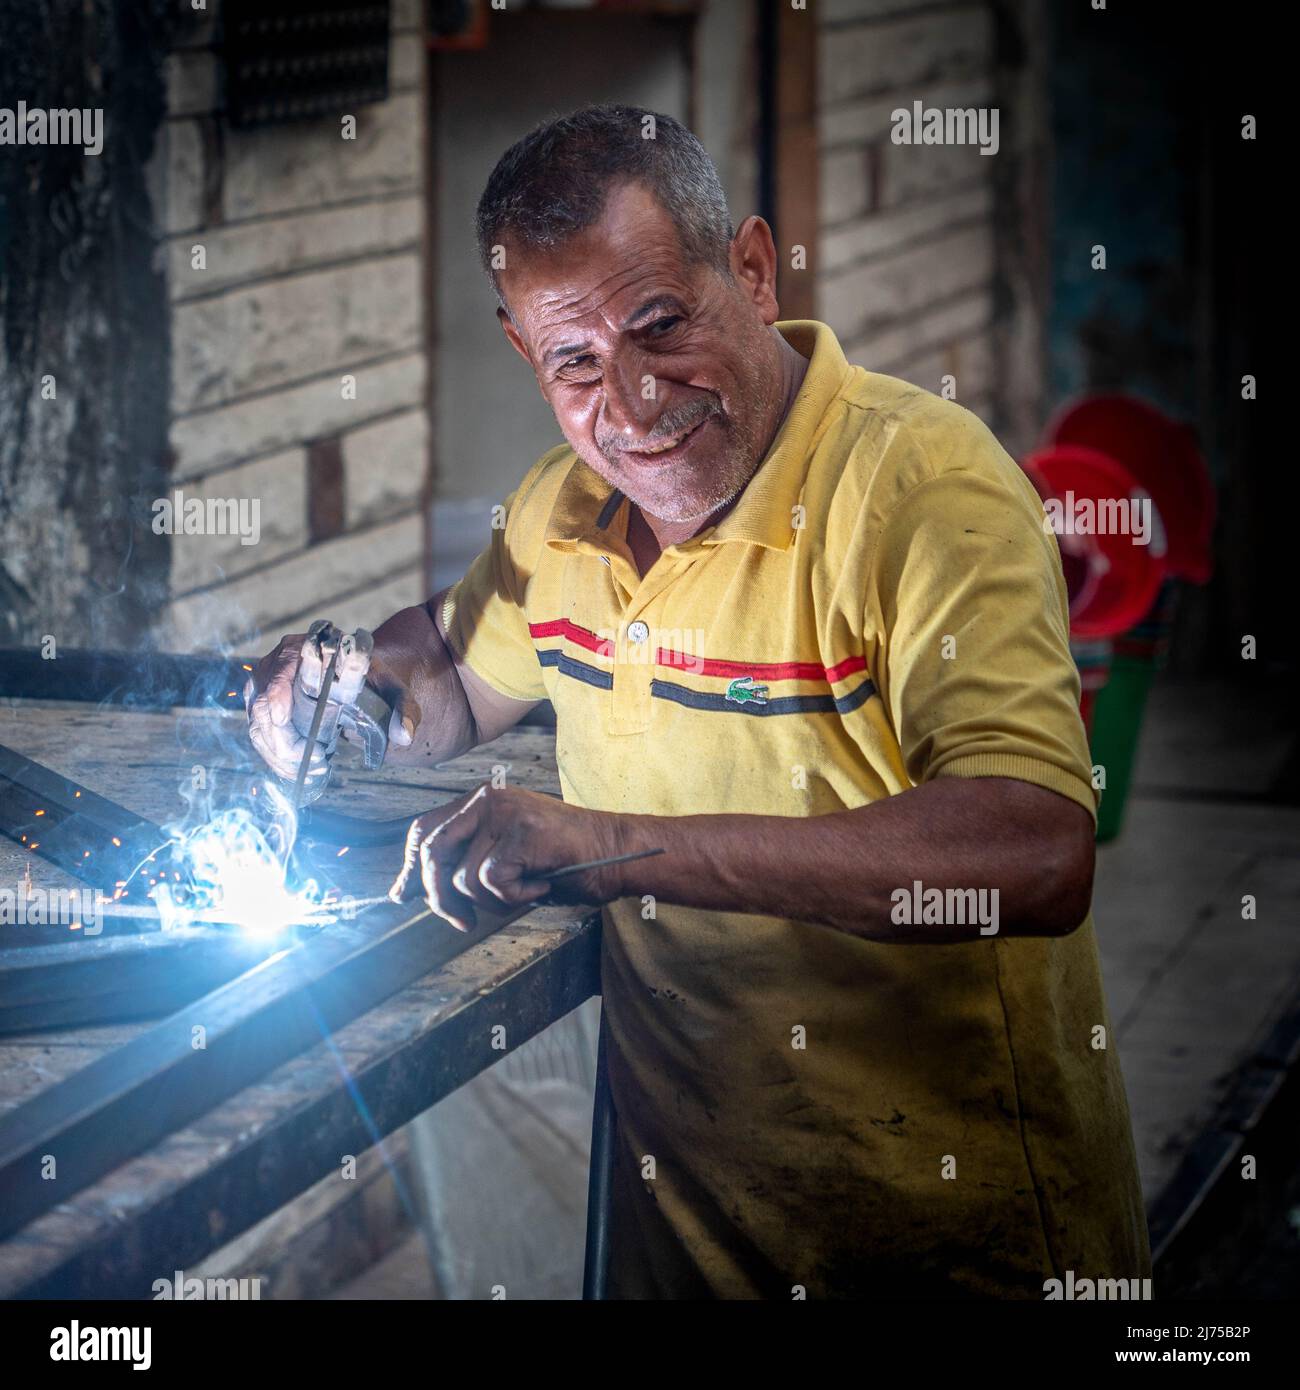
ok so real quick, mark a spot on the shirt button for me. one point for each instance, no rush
(638, 631)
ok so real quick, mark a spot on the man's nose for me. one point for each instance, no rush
(632, 403)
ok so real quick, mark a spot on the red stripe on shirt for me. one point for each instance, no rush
(766, 670)
(562, 627)
(705, 666)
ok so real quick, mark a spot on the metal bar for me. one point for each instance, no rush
(600, 1177)
(141, 680)
(130, 969)
(272, 1163)
(113, 979)
(146, 680)
(1253, 1091)
(131, 1097)
(318, 825)
(67, 824)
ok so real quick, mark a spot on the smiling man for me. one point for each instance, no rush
(833, 1074)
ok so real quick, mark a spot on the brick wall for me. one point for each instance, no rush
(928, 261)
(312, 273)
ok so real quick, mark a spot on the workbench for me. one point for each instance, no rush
(1206, 1019)
(242, 1160)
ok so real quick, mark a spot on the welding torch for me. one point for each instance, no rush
(331, 697)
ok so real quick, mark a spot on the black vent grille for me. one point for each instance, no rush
(288, 60)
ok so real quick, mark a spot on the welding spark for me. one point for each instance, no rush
(234, 868)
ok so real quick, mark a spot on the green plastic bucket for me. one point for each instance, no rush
(1120, 705)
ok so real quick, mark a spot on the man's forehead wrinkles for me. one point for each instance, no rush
(572, 320)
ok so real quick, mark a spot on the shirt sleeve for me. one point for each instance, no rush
(973, 653)
(484, 617)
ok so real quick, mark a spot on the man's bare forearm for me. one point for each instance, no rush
(843, 870)
(411, 655)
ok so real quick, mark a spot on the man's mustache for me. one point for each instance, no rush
(678, 420)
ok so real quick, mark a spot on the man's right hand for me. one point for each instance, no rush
(413, 669)
(268, 698)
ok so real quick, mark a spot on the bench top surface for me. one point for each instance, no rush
(144, 761)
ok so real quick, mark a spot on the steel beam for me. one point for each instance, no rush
(172, 1225)
(146, 680)
(81, 832)
(139, 680)
(111, 979)
(135, 1095)
(130, 969)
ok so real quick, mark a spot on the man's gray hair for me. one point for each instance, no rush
(556, 180)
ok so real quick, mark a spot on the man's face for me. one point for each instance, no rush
(663, 375)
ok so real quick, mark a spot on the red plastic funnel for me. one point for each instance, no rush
(1163, 456)
(1124, 573)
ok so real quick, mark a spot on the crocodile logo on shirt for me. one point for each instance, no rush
(743, 691)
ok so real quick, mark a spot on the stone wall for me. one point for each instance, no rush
(83, 330)
(929, 262)
(295, 277)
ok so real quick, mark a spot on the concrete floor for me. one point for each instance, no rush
(1192, 988)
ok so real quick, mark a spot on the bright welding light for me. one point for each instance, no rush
(233, 867)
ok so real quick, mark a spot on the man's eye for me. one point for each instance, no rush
(577, 362)
(660, 325)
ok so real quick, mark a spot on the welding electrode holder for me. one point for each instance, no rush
(351, 706)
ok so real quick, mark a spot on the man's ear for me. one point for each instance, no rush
(517, 344)
(753, 264)
(512, 333)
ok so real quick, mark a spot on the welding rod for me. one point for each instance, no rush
(355, 904)
(599, 863)
(327, 680)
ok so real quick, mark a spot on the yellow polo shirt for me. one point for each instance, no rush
(800, 1109)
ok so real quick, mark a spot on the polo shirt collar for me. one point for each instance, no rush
(587, 514)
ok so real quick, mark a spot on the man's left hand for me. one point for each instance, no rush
(492, 850)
